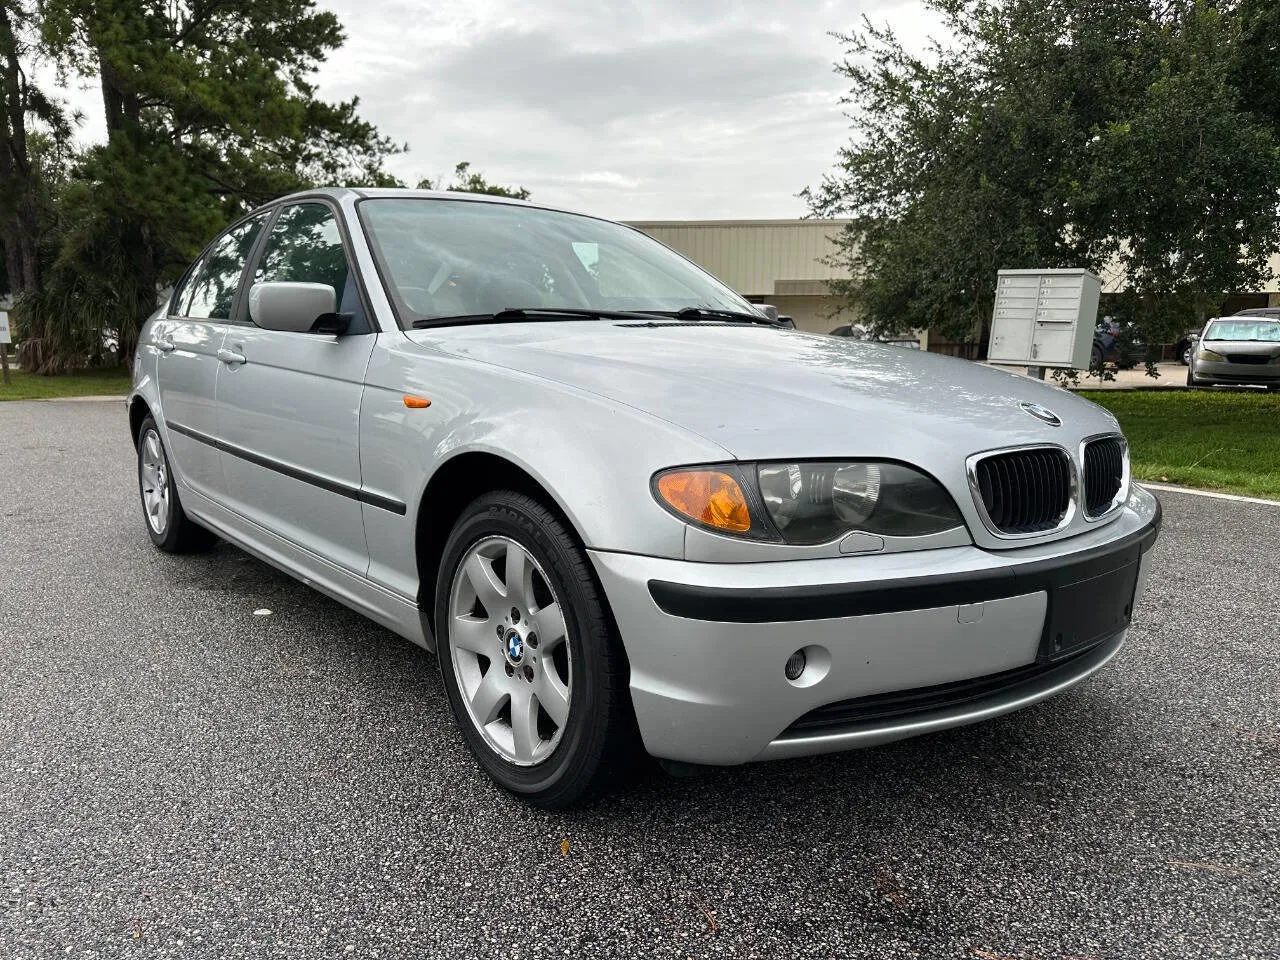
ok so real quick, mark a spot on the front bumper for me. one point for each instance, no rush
(894, 642)
(1257, 374)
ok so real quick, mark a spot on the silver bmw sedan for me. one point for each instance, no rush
(627, 510)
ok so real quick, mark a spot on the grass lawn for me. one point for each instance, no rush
(1201, 438)
(82, 383)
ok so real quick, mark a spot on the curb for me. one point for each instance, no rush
(90, 398)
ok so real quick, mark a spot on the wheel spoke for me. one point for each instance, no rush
(153, 447)
(475, 635)
(484, 581)
(548, 623)
(524, 724)
(489, 696)
(552, 694)
(519, 576)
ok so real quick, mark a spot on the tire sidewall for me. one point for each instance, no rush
(582, 739)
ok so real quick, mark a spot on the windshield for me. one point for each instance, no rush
(460, 258)
(1244, 328)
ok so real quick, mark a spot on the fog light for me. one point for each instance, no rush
(795, 665)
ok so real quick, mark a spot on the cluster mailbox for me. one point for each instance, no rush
(1044, 318)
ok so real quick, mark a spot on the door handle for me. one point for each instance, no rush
(164, 344)
(230, 356)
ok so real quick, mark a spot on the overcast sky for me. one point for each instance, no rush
(632, 109)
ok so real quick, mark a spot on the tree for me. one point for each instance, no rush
(1106, 135)
(465, 181)
(210, 110)
(20, 102)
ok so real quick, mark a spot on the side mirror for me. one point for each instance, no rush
(769, 310)
(296, 307)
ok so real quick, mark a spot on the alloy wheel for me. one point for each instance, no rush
(153, 471)
(509, 651)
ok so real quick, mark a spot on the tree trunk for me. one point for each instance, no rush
(19, 226)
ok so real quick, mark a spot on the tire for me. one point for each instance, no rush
(563, 739)
(166, 522)
(1184, 358)
(1191, 378)
(1095, 358)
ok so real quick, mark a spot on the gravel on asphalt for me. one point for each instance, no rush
(180, 777)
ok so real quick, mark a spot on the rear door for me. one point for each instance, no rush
(189, 339)
(289, 403)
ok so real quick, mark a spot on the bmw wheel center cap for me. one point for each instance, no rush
(515, 647)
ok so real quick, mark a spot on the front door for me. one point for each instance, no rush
(289, 403)
(187, 367)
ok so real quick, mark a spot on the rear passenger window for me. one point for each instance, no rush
(218, 279)
(305, 246)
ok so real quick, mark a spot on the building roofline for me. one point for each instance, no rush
(801, 222)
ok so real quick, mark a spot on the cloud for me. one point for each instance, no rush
(634, 109)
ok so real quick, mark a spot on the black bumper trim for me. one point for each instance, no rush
(832, 601)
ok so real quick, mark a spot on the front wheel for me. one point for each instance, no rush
(533, 672)
(167, 523)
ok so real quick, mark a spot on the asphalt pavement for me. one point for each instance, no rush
(180, 777)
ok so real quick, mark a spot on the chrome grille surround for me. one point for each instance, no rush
(973, 463)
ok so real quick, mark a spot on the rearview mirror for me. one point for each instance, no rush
(294, 307)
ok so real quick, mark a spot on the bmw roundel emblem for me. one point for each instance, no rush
(1041, 413)
(515, 647)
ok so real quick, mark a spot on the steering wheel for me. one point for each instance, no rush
(500, 292)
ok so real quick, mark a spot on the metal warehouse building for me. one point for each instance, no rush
(782, 262)
(767, 261)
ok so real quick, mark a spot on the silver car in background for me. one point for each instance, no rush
(1241, 350)
(624, 507)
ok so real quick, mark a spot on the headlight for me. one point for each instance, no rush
(809, 503)
(1211, 356)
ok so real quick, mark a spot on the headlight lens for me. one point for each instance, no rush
(808, 503)
(1211, 356)
(818, 502)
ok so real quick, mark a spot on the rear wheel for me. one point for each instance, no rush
(533, 672)
(1095, 358)
(168, 525)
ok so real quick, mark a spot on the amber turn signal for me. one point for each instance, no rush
(711, 497)
(416, 403)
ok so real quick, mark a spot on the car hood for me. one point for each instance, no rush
(763, 393)
(1248, 348)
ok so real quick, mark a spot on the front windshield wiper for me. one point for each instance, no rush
(532, 313)
(715, 313)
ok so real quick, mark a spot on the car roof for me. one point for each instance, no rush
(1273, 312)
(377, 193)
